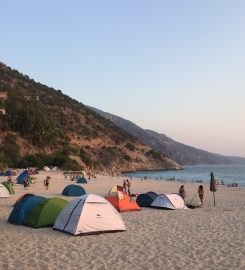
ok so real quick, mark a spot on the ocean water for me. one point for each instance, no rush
(228, 173)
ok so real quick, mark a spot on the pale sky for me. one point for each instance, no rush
(176, 67)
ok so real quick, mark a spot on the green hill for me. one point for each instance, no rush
(42, 126)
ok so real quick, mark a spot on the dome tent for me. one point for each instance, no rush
(152, 194)
(45, 213)
(9, 187)
(144, 200)
(22, 176)
(23, 197)
(3, 192)
(46, 168)
(8, 173)
(169, 201)
(121, 201)
(88, 214)
(73, 190)
(82, 180)
(22, 209)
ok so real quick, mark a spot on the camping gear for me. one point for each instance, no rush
(144, 200)
(46, 168)
(121, 201)
(192, 199)
(9, 187)
(88, 214)
(8, 173)
(213, 185)
(82, 180)
(23, 197)
(4, 193)
(169, 201)
(22, 176)
(73, 190)
(45, 213)
(23, 208)
(152, 194)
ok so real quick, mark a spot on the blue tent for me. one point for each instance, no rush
(144, 200)
(152, 194)
(20, 179)
(22, 209)
(73, 190)
(8, 173)
(82, 180)
(23, 197)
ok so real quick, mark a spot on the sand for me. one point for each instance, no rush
(205, 238)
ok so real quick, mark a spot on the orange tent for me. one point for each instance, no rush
(121, 201)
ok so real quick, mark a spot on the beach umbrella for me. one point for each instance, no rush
(213, 185)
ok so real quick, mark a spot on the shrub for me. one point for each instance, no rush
(85, 157)
(127, 157)
(130, 146)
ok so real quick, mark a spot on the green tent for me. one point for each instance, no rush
(45, 213)
(9, 187)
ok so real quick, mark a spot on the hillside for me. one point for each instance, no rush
(40, 125)
(183, 154)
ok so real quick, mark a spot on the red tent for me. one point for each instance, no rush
(121, 201)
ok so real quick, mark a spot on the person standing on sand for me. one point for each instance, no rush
(25, 183)
(201, 193)
(46, 182)
(182, 192)
(9, 181)
(124, 186)
(128, 184)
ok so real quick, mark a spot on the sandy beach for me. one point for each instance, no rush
(204, 238)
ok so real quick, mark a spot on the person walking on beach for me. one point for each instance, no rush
(46, 182)
(182, 192)
(128, 184)
(25, 183)
(201, 193)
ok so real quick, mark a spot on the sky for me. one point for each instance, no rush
(176, 67)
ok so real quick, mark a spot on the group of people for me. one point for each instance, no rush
(26, 183)
(200, 191)
(126, 186)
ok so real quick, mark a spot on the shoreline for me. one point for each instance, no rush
(191, 174)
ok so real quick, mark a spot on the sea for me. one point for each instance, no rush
(227, 173)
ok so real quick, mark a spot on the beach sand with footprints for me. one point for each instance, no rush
(202, 238)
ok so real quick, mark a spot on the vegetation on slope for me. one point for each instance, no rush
(183, 154)
(43, 126)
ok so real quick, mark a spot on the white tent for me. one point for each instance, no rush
(4, 193)
(89, 213)
(46, 168)
(169, 201)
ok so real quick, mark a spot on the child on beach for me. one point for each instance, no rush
(25, 183)
(46, 182)
(201, 193)
(182, 192)
(9, 180)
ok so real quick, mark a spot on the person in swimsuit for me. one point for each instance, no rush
(46, 182)
(201, 193)
(182, 192)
